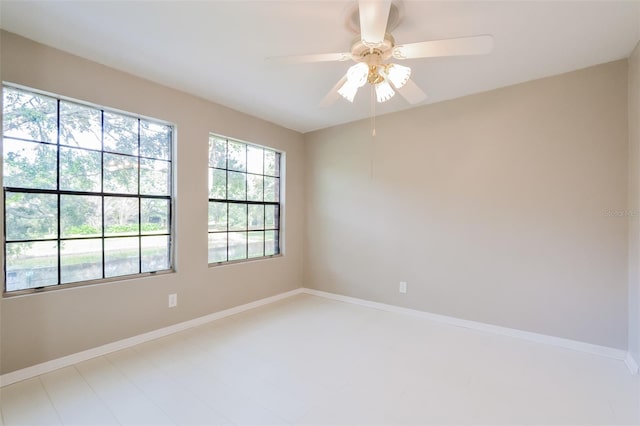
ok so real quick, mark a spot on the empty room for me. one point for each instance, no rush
(320, 212)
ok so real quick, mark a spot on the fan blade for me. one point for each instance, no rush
(475, 45)
(373, 21)
(333, 94)
(412, 93)
(302, 59)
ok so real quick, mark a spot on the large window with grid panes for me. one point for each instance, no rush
(87, 192)
(244, 200)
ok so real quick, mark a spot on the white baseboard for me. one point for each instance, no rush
(632, 364)
(46, 367)
(604, 351)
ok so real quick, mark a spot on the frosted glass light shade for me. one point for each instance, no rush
(357, 74)
(356, 78)
(384, 92)
(398, 75)
(348, 91)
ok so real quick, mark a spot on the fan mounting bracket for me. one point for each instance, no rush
(352, 17)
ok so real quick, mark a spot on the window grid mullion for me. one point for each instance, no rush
(246, 197)
(264, 207)
(139, 205)
(58, 190)
(104, 256)
(226, 188)
(4, 237)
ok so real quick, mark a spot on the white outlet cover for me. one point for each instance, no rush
(173, 300)
(402, 288)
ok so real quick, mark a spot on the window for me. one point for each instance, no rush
(244, 201)
(87, 192)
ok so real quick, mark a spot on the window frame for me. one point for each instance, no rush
(279, 204)
(102, 193)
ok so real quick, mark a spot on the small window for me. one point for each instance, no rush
(87, 192)
(244, 201)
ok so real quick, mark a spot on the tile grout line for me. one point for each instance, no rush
(138, 388)
(97, 395)
(53, 405)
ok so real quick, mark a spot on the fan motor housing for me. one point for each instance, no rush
(372, 55)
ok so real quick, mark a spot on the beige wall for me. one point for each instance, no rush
(634, 204)
(492, 207)
(41, 327)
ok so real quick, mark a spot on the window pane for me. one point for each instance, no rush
(271, 163)
(29, 116)
(121, 256)
(155, 140)
(271, 243)
(80, 216)
(80, 260)
(217, 216)
(256, 216)
(80, 126)
(120, 133)
(218, 247)
(237, 217)
(217, 153)
(120, 216)
(155, 177)
(31, 216)
(256, 244)
(255, 159)
(237, 245)
(237, 186)
(155, 253)
(271, 189)
(29, 165)
(31, 265)
(120, 174)
(155, 216)
(252, 175)
(270, 217)
(255, 187)
(79, 170)
(217, 184)
(83, 171)
(237, 156)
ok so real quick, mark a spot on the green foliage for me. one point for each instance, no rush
(84, 230)
(132, 228)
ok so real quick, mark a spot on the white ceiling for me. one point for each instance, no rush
(217, 49)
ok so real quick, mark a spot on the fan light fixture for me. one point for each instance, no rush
(377, 75)
(398, 75)
(384, 92)
(373, 49)
(356, 78)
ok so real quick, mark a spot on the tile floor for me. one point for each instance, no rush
(309, 360)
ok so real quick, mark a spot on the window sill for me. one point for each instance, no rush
(39, 290)
(240, 261)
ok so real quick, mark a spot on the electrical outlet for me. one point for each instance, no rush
(402, 288)
(173, 300)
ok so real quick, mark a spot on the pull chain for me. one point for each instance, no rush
(373, 112)
(373, 132)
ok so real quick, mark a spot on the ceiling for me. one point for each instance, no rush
(217, 49)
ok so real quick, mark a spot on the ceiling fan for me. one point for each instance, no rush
(375, 47)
